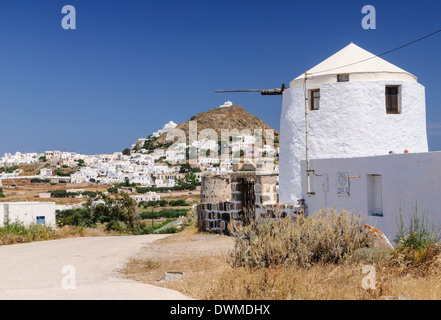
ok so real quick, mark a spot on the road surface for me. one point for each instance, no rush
(76, 269)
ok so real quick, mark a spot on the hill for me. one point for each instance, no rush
(232, 117)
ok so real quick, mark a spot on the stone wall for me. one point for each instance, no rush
(222, 200)
(215, 217)
(215, 188)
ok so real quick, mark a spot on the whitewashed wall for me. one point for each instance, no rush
(407, 180)
(27, 212)
(351, 122)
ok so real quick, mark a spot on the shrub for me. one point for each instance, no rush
(163, 203)
(62, 173)
(176, 213)
(326, 236)
(89, 194)
(417, 246)
(63, 194)
(16, 232)
(80, 217)
(177, 203)
(38, 180)
(112, 190)
(418, 235)
(190, 219)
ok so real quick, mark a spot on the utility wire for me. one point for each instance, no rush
(382, 54)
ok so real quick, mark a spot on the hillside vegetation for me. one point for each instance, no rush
(229, 118)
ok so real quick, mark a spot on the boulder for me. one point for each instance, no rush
(378, 239)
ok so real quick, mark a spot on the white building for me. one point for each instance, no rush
(148, 196)
(85, 174)
(380, 187)
(226, 104)
(169, 126)
(28, 213)
(45, 172)
(356, 109)
(18, 158)
(56, 154)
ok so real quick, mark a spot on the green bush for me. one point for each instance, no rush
(163, 203)
(89, 194)
(37, 180)
(419, 234)
(176, 213)
(16, 232)
(62, 173)
(418, 244)
(63, 194)
(112, 190)
(80, 217)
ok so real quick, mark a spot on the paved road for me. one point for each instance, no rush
(168, 225)
(73, 269)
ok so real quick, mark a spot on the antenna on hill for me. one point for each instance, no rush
(263, 92)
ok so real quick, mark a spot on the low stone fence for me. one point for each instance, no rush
(215, 217)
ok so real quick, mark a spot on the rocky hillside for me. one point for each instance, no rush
(233, 117)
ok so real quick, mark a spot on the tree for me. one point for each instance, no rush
(126, 152)
(186, 167)
(112, 190)
(190, 177)
(115, 210)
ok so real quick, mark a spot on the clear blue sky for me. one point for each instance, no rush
(133, 65)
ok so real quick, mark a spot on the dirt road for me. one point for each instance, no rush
(80, 268)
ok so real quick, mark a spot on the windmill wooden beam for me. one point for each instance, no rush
(263, 92)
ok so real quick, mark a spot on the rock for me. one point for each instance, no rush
(172, 276)
(378, 239)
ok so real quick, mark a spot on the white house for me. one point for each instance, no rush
(380, 187)
(56, 154)
(148, 196)
(169, 126)
(45, 172)
(368, 150)
(355, 109)
(28, 213)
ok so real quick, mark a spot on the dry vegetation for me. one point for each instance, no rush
(234, 117)
(211, 268)
(18, 190)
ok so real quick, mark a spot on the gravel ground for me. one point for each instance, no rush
(73, 269)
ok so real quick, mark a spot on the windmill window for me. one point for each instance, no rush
(343, 77)
(315, 99)
(393, 100)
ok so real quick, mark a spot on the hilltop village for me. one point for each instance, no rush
(150, 169)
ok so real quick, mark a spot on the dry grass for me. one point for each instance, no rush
(204, 259)
(326, 236)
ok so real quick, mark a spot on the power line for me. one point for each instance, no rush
(382, 54)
